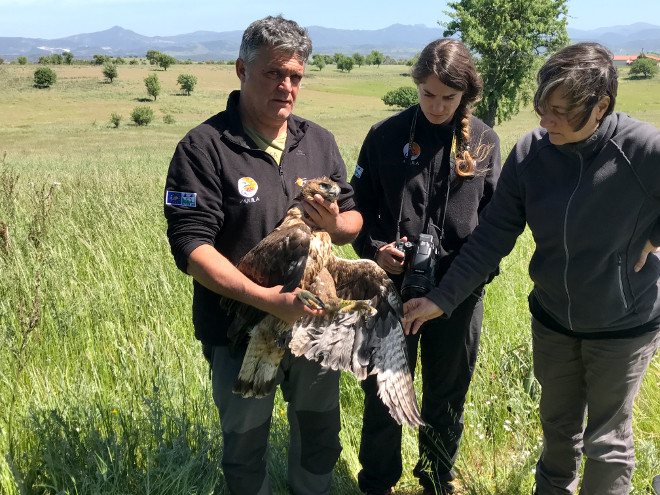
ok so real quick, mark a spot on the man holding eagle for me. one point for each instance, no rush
(231, 181)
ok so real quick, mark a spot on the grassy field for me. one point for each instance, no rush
(102, 384)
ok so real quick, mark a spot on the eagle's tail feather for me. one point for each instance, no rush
(262, 359)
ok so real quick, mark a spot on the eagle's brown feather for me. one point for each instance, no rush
(365, 338)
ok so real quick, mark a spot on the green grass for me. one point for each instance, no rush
(102, 384)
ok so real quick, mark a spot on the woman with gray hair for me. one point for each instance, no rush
(587, 183)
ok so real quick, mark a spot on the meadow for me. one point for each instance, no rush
(102, 383)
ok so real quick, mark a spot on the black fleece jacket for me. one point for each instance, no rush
(382, 176)
(591, 207)
(241, 194)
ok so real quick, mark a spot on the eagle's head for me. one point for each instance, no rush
(327, 188)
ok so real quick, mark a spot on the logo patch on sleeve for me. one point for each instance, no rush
(176, 198)
(358, 171)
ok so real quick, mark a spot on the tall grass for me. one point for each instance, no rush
(102, 384)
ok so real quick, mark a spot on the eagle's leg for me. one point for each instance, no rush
(361, 305)
(262, 359)
(310, 300)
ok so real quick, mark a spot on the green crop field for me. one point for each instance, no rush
(103, 389)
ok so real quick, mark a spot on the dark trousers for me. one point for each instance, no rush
(588, 388)
(448, 354)
(312, 394)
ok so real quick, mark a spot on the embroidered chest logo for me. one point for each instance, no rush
(416, 150)
(248, 187)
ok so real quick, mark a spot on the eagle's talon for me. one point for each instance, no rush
(310, 300)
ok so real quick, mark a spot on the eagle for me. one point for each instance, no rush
(359, 331)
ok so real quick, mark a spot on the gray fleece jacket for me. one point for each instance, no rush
(591, 207)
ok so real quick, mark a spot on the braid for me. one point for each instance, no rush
(464, 161)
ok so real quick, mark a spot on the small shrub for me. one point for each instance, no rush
(168, 119)
(345, 63)
(187, 82)
(115, 119)
(403, 97)
(110, 71)
(22, 60)
(142, 115)
(153, 85)
(44, 77)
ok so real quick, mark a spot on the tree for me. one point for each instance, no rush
(110, 70)
(507, 38)
(100, 59)
(345, 63)
(22, 60)
(153, 85)
(152, 56)
(142, 115)
(337, 57)
(359, 59)
(56, 59)
(68, 57)
(644, 67)
(187, 82)
(165, 60)
(329, 59)
(44, 77)
(412, 61)
(374, 58)
(318, 61)
(403, 97)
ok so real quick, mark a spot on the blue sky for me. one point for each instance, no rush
(59, 18)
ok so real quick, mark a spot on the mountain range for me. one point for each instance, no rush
(397, 41)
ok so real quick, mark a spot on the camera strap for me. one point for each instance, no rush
(411, 141)
(452, 166)
(409, 163)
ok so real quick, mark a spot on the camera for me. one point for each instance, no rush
(420, 265)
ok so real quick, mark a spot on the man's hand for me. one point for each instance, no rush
(648, 248)
(418, 311)
(342, 227)
(322, 213)
(286, 305)
(390, 258)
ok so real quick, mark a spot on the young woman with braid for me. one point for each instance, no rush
(427, 170)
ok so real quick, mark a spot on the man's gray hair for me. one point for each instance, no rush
(276, 32)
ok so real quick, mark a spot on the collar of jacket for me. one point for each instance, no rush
(594, 143)
(444, 131)
(235, 132)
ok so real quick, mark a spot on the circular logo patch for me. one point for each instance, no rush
(247, 187)
(416, 150)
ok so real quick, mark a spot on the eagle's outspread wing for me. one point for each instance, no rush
(364, 341)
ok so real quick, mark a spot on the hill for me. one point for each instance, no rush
(397, 41)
